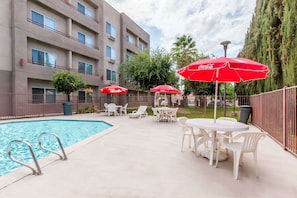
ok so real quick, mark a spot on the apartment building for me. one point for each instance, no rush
(41, 37)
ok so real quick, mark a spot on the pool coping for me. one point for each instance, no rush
(22, 172)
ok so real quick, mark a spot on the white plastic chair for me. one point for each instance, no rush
(227, 133)
(199, 136)
(248, 144)
(112, 109)
(105, 107)
(123, 109)
(156, 114)
(172, 114)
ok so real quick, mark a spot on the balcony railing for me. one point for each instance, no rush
(60, 67)
(61, 33)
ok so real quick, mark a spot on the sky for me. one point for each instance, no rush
(208, 22)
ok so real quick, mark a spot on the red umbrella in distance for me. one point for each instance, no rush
(168, 89)
(224, 70)
(113, 89)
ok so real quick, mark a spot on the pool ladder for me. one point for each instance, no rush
(38, 170)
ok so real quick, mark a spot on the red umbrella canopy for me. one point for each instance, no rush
(113, 89)
(224, 70)
(168, 89)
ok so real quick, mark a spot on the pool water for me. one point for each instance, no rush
(69, 132)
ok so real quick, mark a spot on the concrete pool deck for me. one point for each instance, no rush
(142, 158)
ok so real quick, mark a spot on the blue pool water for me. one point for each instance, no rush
(69, 132)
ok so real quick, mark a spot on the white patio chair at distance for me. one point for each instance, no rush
(156, 114)
(112, 109)
(123, 109)
(105, 107)
(190, 132)
(141, 112)
(172, 114)
(245, 142)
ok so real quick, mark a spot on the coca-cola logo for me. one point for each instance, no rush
(208, 66)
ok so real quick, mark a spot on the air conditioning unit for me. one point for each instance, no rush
(111, 60)
(111, 37)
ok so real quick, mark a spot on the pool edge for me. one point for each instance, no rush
(20, 173)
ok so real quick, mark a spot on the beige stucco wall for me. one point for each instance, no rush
(5, 39)
(61, 54)
(112, 16)
(61, 22)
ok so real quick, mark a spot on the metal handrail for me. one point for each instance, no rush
(35, 172)
(64, 157)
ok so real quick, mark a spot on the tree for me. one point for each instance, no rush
(271, 39)
(146, 70)
(68, 82)
(184, 51)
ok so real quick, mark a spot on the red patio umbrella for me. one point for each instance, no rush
(224, 70)
(113, 89)
(168, 89)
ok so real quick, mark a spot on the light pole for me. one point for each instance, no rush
(225, 45)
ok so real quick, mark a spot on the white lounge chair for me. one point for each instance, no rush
(141, 112)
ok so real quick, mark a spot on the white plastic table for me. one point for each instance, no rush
(219, 125)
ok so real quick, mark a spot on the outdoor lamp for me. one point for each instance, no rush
(225, 45)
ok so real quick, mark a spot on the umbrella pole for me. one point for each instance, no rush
(216, 94)
(215, 103)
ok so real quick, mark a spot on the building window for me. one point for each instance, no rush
(43, 95)
(89, 13)
(110, 75)
(83, 97)
(85, 39)
(130, 38)
(81, 8)
(81, 38)
(43, 21)
(85, 10)
(129, 56)
(111, 30)
(111, 53)
(43, 58)
(85, 68)
(141, 46)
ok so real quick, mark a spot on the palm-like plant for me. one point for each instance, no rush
(184, 51)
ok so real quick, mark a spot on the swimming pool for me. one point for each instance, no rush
(69, 132)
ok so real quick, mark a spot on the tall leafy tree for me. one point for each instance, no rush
(271, 39)
(147, 70)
